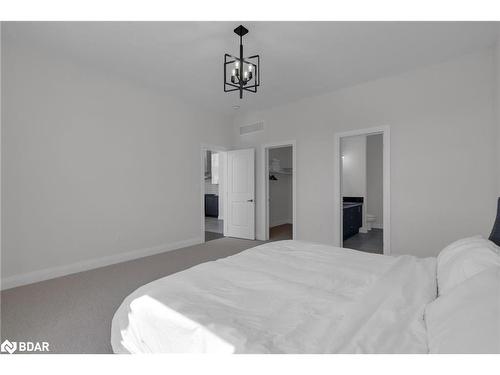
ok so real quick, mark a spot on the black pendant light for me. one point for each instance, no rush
(243, 72)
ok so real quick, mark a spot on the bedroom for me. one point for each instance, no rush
(108, 192)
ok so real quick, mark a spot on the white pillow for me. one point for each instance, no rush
(467, 319)
(463, 259)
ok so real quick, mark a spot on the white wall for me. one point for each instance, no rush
(280, 191)
(375, 178)
(1, 142)
(353, 151)
(443, 152)
(93, 167)
(496, 58)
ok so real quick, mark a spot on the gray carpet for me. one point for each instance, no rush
(73, 313)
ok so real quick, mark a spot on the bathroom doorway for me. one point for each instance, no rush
(363, 190)
(213, 188)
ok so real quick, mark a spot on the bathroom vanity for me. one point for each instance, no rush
(352, 217)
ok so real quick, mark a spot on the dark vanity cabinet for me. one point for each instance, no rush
(211, 205)
(353, 219)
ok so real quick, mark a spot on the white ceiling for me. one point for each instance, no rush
(299, 59)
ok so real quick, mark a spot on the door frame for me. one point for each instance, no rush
(265, 168)
(222, 195)
(385, 131)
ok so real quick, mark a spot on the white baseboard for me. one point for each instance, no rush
(377, 226)
(53, 272)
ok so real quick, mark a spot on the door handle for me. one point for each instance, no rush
(250, 200)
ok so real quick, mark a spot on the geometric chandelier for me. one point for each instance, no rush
(243, 72)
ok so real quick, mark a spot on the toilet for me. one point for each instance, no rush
(370, 219)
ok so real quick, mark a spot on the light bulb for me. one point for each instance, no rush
(233, 72)
(245, 74)
(237, 64)
(250, 68)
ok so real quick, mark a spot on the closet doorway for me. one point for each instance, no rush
(280, 177)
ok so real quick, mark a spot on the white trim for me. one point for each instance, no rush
(385, 131)
(265, 168)
(222, 188)
(53, 272)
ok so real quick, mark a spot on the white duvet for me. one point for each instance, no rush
(283, 297)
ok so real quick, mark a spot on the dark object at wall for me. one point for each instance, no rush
(495, 232)
(352, 199)
(211, 205)
(352, 208)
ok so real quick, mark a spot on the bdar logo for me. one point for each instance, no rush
(24, 346)
(9, 347)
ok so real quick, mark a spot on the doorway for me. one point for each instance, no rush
(280, 191)
(362, 190)
(227, 193)
(213, 192)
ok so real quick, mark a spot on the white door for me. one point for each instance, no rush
(240, 206)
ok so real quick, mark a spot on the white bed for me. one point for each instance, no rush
(283, 297)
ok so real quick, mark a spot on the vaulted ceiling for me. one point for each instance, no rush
(299, 59)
